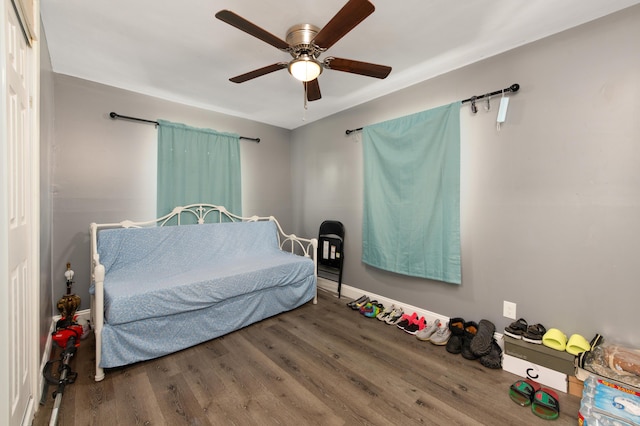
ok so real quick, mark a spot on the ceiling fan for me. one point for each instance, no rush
(306, 42)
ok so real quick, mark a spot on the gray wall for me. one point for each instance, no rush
(46, 144)
(104, 170)
(549, 205)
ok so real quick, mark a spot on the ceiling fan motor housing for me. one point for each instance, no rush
(300, 38)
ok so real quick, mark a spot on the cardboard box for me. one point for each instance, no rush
(543, 375)
(576, 386)
(540, 354)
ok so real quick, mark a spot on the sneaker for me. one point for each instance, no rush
(441, 337)
(407, 320)
(386, 312)
(416, 326)
(394, 317)
(426, 333)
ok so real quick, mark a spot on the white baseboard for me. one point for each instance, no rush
(45, 358)
(353, 293)
(349, 292)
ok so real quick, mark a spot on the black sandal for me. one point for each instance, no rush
(516, 329)
(534, 334)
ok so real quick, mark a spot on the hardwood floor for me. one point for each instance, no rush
(319, 364)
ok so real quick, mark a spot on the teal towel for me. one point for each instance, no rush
(411, 215)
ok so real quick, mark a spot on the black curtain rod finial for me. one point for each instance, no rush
(115, 115)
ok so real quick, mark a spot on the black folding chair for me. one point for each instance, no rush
(331, 251)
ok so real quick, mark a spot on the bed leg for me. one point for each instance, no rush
(99, 374)
(99, 371)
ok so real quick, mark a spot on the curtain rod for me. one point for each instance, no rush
(116, 115)
(513, 88)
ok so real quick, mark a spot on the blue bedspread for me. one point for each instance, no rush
(163, 289)
(163, 271)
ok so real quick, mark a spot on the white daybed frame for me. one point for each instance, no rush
(288, 242)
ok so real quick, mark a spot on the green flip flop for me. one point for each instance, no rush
(545, 404)
(522, 391)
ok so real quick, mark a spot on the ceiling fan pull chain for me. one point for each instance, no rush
(304, 115)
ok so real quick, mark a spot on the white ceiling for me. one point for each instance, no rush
(178, 50)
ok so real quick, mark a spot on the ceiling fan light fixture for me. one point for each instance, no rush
(305, 68)
(306, 43)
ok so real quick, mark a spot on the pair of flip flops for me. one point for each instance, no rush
(556, 339)
(543, 401)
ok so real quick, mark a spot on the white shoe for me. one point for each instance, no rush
(425, 333)
(441, 337)
(383, 314)
(394, 317)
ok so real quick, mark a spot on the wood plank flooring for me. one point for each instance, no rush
(320, 364)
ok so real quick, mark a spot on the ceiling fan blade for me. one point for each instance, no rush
(259, 72)
(357, 67)
(313, 90)
(250, 28)
(344, 21)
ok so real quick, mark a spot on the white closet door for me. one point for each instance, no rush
(19, 221)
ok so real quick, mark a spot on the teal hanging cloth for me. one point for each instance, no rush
(411, 212)
(197, 166)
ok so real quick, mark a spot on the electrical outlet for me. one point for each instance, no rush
(509, 310)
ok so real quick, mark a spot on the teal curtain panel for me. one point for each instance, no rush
(411, 212)
(197, 166)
